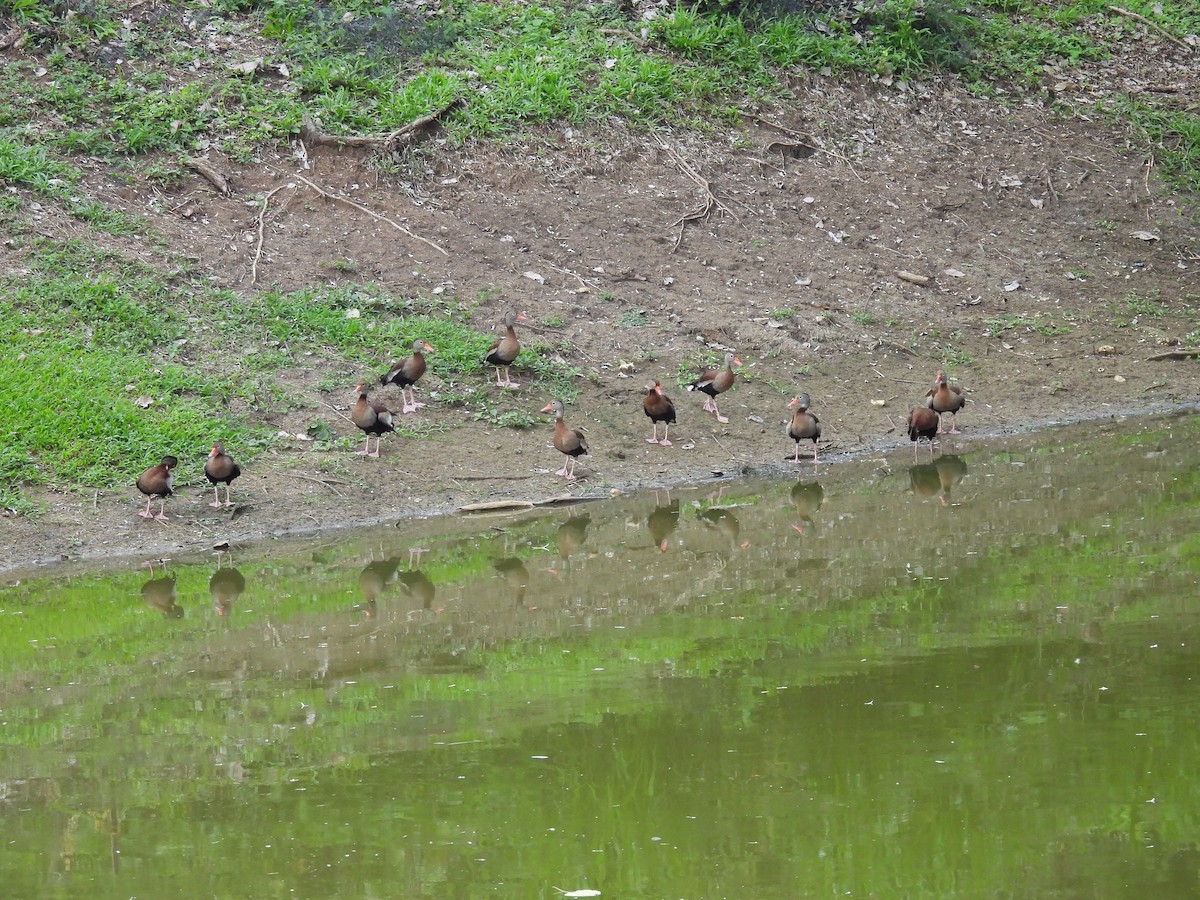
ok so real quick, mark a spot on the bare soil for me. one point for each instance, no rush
(650, 247)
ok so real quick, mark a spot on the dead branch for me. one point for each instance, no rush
(325, 195)
(262, 213)
(1174, 354)
(328, 482)
(311, 135)
(912, 277)
(215, 178)
(1170, 37)
(710, 199)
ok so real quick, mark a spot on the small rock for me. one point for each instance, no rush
(1105, 349)
(1118, 379)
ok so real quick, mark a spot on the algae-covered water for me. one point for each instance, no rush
(971, 678)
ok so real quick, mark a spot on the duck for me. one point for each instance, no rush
(804, 425)
(504, 350)
(156, 483)
(220, 468)
(659, 408)
(922, 425)
(406, 373)
(714, 382)
(372, 418)
(570, 441)
(945, 398)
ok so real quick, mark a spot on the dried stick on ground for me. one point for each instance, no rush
(327, 196)
(1170, 37)
(405, 134)
(710, 199)
(261, 219)
(215, 178)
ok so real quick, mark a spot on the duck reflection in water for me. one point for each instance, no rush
(225, 586)
(416, 585)
(514, 572)
(570, 536)
(373, 580)
(725, 523)
(807, 497)
(938, 478)
(663, 521)
(159, 593)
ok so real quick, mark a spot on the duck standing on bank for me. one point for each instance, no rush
(405, 375)
(569, 441)
(714, 382)
(804, 426)
(504, 351)
(945, 398)
(220, 468)
(372, 418)
(156, 483)
(922, 425)
(659, 408)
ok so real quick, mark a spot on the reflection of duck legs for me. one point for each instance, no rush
(372, 580)
(807, 497)
(663, 521)
(570, 537)
(225, 586)
(515, 573)
(725, 523)
(159, 593)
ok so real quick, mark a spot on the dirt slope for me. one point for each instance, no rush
(1054, 267)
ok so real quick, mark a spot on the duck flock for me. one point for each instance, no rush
(375, 419)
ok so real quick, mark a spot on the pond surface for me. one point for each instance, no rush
(976, 678)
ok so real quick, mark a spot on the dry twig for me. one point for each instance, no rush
(710, 199)
(1170, 37)
(1174, 354)
(313, 136)
(215, 178)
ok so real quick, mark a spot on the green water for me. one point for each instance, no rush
(972, 680)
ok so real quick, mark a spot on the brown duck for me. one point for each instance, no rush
(406, 373)
(504, 351)
(659, 408)
(570, 441)
(945, 398)
(922, 426)
(156, 483)
(714, 382)
(804, 426)
(220, 468)
(372, 418)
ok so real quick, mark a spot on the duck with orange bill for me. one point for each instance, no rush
(372, 418)
(659, 408)
(804, 426)
(504, 351)
(569, 441)
(156, 484)
(405, 375)
(922, 425)
(945, 398)
(714, 382)
(220, 468)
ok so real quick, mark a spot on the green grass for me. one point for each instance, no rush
(1037, 324)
